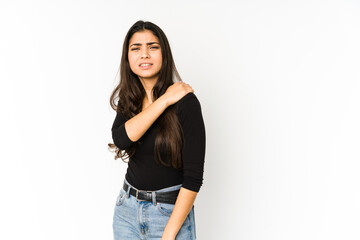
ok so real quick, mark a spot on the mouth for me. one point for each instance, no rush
(145, 65)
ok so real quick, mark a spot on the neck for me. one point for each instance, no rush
(148, 85)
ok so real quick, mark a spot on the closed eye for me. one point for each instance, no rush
(138, 48)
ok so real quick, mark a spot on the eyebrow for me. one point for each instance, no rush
(139, 44)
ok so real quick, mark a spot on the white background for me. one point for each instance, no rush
(278, 82)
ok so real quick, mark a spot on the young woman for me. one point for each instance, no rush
(159, 128)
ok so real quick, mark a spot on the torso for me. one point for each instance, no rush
(145, 173)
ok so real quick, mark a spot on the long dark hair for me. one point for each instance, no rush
(129, 95)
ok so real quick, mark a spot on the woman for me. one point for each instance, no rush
(159, 128)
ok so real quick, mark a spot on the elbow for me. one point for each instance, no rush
(122, 143)
(192, 183)
(121, 139)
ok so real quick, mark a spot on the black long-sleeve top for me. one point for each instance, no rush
(144, 173)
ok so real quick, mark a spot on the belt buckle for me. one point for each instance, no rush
(137, 191)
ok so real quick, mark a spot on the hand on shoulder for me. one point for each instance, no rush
(177, 91)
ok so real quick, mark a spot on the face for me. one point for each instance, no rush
(144, 47)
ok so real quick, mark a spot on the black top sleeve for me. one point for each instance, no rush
(193, 153)
(119, 134)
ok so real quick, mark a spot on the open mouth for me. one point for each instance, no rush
(145, 65)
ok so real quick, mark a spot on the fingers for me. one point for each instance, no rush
(187, 87)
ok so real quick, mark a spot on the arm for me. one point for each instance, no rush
(127, 133)
(183, 205)
(139, 124)
(193, 155)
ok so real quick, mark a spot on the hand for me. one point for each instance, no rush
(176, 91)
(167, 237)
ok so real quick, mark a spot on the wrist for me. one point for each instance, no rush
(164, 100)
(168, 236)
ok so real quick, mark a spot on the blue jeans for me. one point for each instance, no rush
(138, 219)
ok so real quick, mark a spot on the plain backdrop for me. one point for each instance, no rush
(278, 82)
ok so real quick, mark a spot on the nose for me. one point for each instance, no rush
(144, 53)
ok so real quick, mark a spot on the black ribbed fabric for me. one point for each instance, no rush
(144, 173)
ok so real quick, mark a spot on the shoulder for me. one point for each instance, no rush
(188, 103)
(187, 100)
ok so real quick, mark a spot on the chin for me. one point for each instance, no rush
(150, 75)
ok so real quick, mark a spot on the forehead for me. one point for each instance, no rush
(143, 37)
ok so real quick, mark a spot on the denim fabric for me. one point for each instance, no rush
(138, 219)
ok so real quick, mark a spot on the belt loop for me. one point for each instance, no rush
(153, 197)
(128, 191)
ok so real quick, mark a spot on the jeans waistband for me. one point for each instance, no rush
(164, 195)
(167, 189)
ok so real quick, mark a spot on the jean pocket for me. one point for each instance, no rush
(120, 198)
(165, 208)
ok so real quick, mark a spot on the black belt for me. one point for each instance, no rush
(163, 197)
